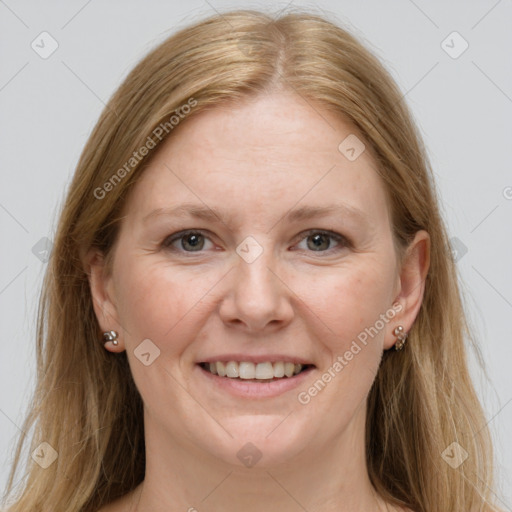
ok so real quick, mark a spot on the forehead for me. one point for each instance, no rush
(270, 153)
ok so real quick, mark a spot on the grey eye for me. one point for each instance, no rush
(186, 241)
(320, 242)
(193, 240)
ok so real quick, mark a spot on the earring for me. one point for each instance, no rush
(401, 337)
(110, 336)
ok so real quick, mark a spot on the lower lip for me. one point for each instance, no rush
(245, 389)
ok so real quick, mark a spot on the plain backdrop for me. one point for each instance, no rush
(459, 87)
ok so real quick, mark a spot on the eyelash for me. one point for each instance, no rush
(340, 239)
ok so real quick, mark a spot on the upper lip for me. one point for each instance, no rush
(264, 358)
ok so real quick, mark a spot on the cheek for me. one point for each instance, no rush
(157, 302)
(348, 302)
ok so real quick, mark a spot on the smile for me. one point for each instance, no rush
(246, 370)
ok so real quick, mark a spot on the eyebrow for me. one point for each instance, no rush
(200, 211)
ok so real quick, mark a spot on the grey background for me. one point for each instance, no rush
(462, 105)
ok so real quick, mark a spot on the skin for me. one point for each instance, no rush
(258, 161)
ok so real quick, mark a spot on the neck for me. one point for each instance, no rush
(180, 477)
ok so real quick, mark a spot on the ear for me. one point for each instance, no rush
(103, 296)
(411, 285)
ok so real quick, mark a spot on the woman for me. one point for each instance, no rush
(252, 303)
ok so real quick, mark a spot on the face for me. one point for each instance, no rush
(252, 239)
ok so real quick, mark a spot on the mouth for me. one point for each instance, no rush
(263, 372)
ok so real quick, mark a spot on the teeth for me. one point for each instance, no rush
(221, 368)
(247, 370)
(279, 369)
(231, 369)
(264, 371)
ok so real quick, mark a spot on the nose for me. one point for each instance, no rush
(256, 298)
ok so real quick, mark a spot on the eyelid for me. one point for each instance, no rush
(170, 239)
(333, 234)
(342, 240)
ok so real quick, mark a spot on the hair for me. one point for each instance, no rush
(86, 404)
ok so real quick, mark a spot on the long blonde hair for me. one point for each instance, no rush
(86, 405)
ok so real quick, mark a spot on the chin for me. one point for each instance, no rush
(261, 441)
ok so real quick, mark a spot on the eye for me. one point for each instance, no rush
(191, 241)
(188, 241)
(322, 241)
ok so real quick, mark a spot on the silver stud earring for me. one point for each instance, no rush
(401, 337)
(110, 336)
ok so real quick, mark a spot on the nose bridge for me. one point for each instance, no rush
(256, 296)
(253, 277)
